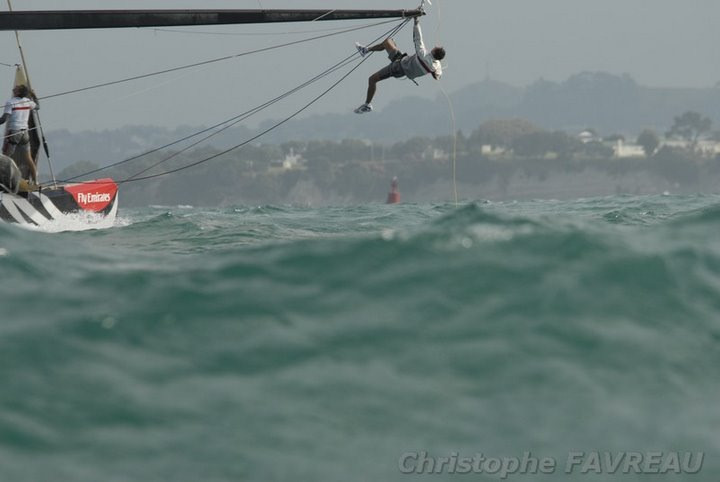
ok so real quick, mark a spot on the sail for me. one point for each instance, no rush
(20, 77)
(82, 19)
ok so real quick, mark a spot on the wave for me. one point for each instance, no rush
(206, 343)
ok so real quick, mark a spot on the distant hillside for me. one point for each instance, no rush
(607, 103)
(611, 104)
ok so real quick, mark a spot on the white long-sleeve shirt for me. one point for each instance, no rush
(422, 62)
(18, 111)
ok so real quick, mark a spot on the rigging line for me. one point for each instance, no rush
(454, 135)
(8, 65)
(206, 62)
(439, 23)
(244, 114)
(154, 86)
(200, 141)
(251, 34)
(34, 114)
(275, 126)
(242, 117)
(450, 107)
(324, 15)
(29, 129)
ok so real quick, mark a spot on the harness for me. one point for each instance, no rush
(425, 66)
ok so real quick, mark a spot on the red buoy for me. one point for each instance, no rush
(394, 194)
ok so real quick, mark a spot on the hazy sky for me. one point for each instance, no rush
(657, 42)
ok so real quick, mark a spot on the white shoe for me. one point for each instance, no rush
(364, 108)
(362, 50)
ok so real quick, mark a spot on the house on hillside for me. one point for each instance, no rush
(490, 150)
(709, 148)
(290, 162)
(704, 147)
(625, 150)
(588, 135)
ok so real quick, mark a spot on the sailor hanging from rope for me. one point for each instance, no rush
(17, 113)
(402, 65)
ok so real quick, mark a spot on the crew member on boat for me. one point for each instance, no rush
(17, 114)
(402, 65)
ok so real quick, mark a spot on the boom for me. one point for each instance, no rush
(83, 19)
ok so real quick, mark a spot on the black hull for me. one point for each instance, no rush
(49, 206)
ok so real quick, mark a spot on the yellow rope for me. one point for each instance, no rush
(452, 111)
(454, 150)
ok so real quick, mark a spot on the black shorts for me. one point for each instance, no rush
(14, 139)
(19, 138)
(394, 69)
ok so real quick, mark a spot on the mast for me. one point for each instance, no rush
(39, 136)
(83, 19)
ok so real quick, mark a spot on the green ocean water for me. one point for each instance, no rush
(280, 343)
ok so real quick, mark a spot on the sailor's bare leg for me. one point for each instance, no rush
(31, 166)
(372, 87)
(388, 45)
(26, 164)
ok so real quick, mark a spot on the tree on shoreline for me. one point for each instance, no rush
(649, 142)
(690, 126)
